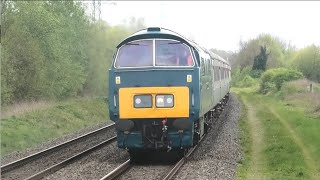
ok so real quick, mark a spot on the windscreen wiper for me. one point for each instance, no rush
(132, 44)
(135, 44)
(175, 43)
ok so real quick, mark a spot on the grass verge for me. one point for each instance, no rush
(246, 142)
(31, 128)
(291, 139)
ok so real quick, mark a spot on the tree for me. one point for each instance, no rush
(260, 61)
(249, 49)
(43, 50)
(307, 61)
(53, 51)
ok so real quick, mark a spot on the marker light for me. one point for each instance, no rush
(164, 100)
(189, 78)
(142, 101)
(169, 100)
(138, 101)
(118, 80)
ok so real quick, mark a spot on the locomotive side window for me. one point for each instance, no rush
(202, 67)
(135, 54)
(208, 67)
(172, 53)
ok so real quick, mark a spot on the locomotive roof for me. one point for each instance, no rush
(157, 32)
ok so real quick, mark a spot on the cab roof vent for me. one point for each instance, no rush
(153, 29)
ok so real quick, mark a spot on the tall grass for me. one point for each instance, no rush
(40, 125)
(297, 93)
(24, 107)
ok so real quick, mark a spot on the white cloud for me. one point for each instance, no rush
(218, 24)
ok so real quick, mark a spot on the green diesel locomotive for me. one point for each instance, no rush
(162, 89)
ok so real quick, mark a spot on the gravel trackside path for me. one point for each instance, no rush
(218, 154)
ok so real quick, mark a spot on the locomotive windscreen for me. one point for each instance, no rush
(167, 53)
(172, 53)
(136, 54)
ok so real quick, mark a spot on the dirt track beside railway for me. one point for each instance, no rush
(217, 156)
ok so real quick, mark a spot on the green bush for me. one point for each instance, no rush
(272, 79)
(243, 78)
(247, 81)
(256, 73)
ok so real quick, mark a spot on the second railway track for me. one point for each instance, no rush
(52, 159)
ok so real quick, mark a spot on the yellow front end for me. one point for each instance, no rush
(128, 111)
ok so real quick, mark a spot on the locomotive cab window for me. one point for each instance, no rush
(172, 53)
(135, 54)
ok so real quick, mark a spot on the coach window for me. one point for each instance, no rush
(225, 73)
(135, 54)
(222, 73)
(215, 73)
(172, 53)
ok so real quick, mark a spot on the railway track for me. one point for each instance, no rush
(45, 162)
(123, 168)
(32, 167)
(127, 165)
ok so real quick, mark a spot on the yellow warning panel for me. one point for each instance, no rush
(179, 109)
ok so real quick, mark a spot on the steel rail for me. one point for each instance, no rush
(64, 163)
(20, 162)
(181, 162)
(118, 171)
(126, 165)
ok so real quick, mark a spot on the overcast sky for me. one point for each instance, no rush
(218, 24)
